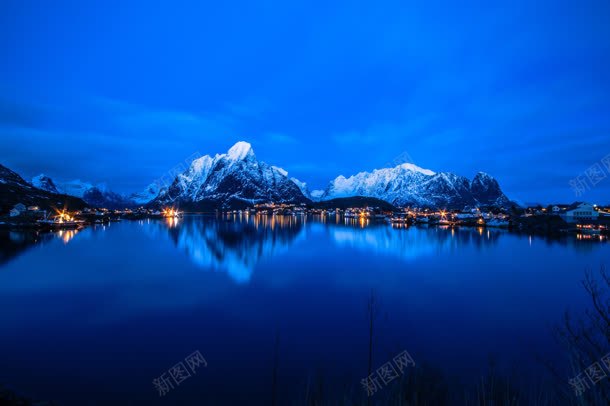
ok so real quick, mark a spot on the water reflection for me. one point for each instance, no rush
(16, 242)
(138, 277)
(172, 222)
(591, 237)
(13, 243)
(237, 243)
(233, 244)
(408, 242)
(67, 235)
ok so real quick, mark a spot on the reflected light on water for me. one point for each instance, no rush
(253, 273)
(171, 221)
(66, 235)
(591, 237)
(236, 244)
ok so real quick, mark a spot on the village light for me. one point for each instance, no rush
(170, 212)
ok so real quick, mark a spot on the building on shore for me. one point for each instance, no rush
(17, 210)
(580, 212)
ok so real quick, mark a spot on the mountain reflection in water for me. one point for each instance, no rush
(145, 293)
(234, 244)
(14, 243)
(237, 243)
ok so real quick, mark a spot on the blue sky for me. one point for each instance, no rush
(120, 93)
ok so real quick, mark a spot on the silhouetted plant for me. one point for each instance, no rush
(587, 337)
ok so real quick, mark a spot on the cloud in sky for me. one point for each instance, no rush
(123, 144)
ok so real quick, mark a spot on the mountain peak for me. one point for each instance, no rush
(240, 150)
(408, 184)
(44, 182)
(14, 189)
(234, 179)
(415, 168)
(483, 175)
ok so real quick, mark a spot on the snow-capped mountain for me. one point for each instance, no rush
(74, 188)
(302, 187)
(238, 179)
(145, 196)
(14, 189)
(94, 195)
(45, 183)
(234, 179)
(408, 184)
(305, 190)
(313, 195)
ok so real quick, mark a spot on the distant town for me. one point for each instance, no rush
(585, 220)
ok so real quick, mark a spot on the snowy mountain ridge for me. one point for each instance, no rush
(94, 195)
(409, 185)
(235, 178)
(238, 178)
(14, 189)
(75, 188)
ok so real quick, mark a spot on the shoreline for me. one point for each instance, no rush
(538, 227)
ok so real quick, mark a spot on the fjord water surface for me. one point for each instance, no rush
(94, 316)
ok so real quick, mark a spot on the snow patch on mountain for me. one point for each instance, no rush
(411, 167)
(281, 171)
(45, 183)
(78, 188)
(303, 187)
(240, 151)
(146, 195)
(316, 195)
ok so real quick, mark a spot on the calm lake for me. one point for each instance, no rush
(93, 317)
